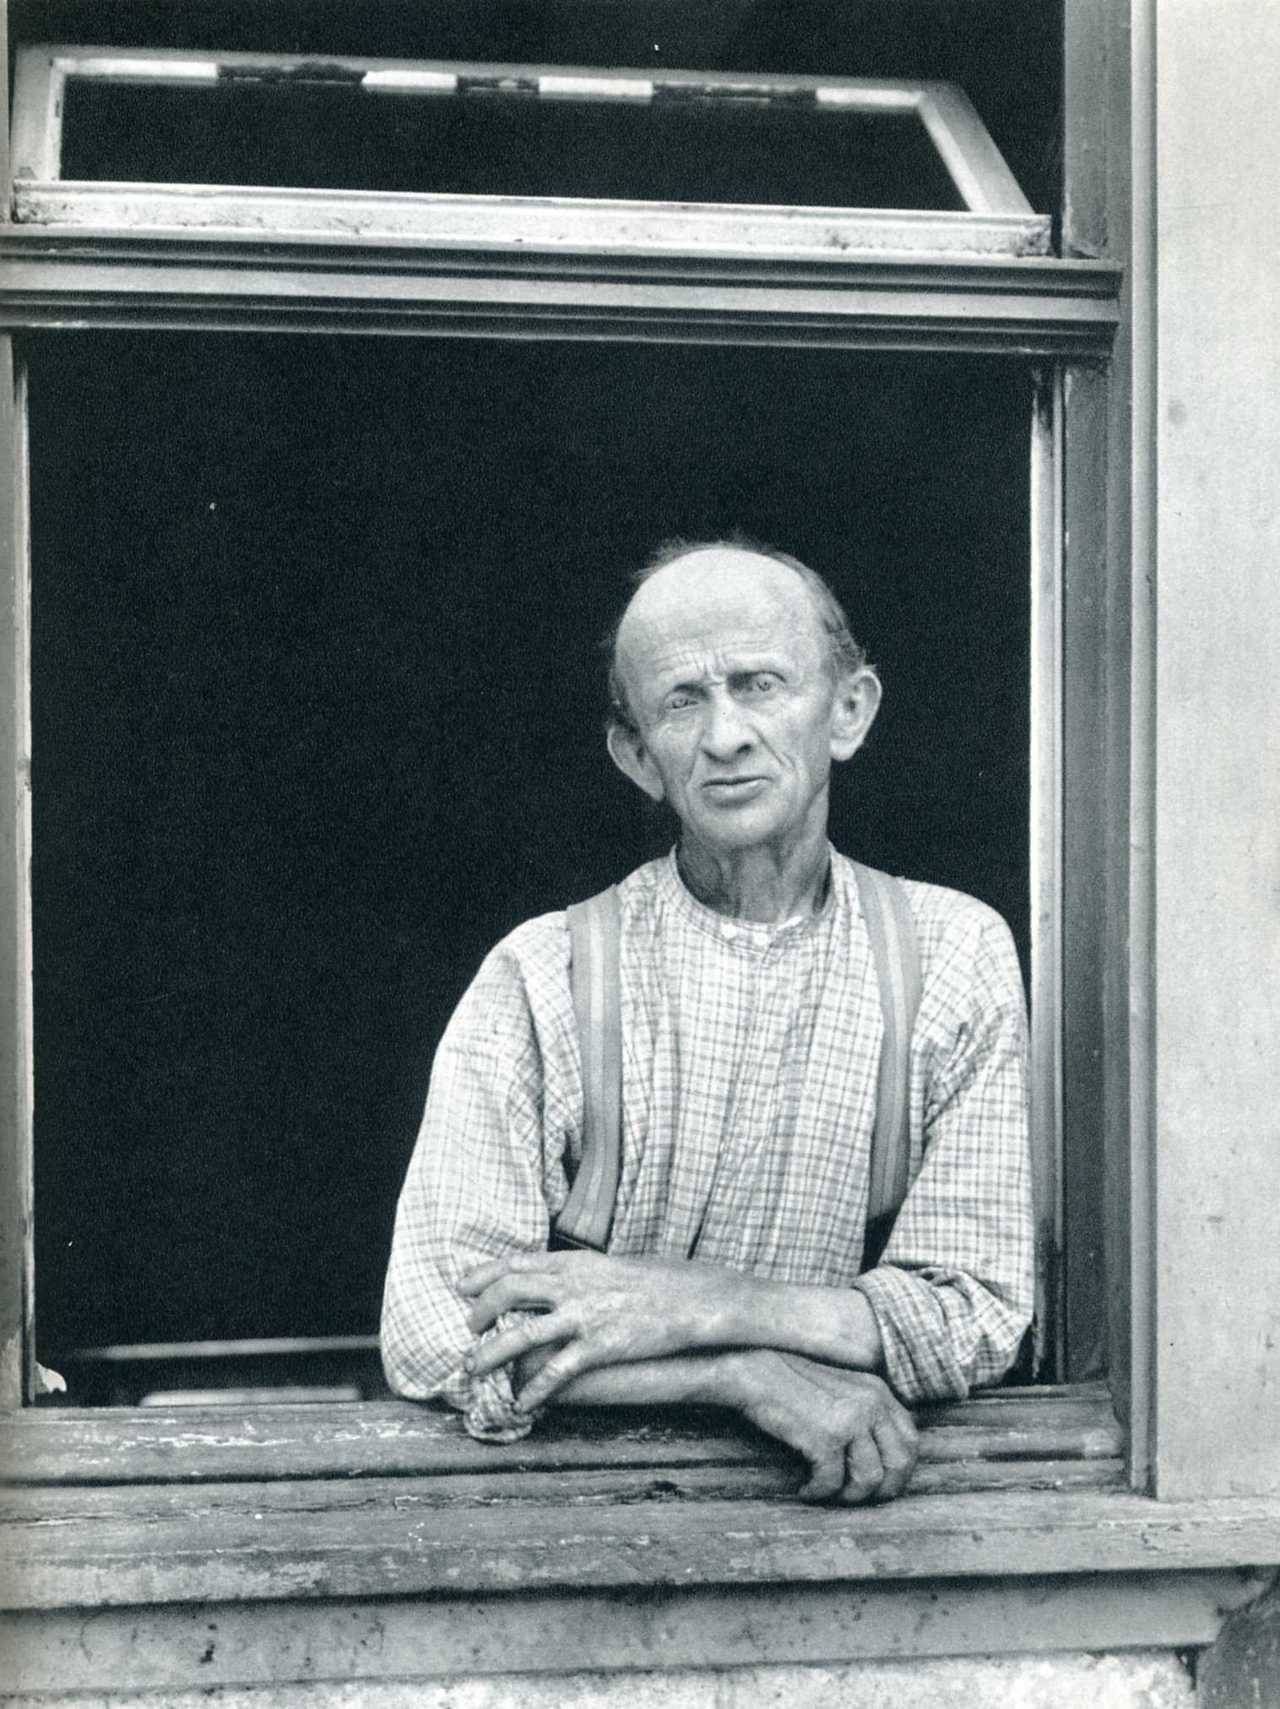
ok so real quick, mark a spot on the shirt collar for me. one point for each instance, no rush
(750, 933)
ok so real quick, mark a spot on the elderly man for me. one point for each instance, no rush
(751, 1032)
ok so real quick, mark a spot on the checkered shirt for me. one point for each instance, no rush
(749, 1087)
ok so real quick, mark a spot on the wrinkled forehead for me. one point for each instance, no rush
(714, 600)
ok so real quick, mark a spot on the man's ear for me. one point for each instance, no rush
(853, 712)
(631, 757)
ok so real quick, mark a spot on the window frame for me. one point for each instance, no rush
(836, 304)
(765, 287)
(1057, 311)
(997, 218)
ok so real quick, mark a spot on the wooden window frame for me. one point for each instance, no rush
(997, 219)
(220, 1534)
(537, 267)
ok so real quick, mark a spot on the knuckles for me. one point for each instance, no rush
(856, 1491)
(856, 1417)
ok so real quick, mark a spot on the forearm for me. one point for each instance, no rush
(682, 1379)
(835, 1325)
(736, 1313)
(860, 1443)
(600, 1312)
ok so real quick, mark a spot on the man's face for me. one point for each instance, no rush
(738, 715)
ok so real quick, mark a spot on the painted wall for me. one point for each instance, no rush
(1140, 1680)
(1217, 603)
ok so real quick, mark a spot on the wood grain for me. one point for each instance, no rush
(122, 1506)
(398, 1438)
(395, 1499)
(242, 1543)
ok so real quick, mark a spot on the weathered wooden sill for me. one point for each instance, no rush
(121, 1506)
(1012, 1438)
(373, 1539)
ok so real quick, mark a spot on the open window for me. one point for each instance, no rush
(316, 691)
(313, 678)
(558, 159)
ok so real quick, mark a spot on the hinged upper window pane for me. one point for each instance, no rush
(555, 158)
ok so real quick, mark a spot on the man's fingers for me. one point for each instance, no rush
(864, 1469)
(826, 1470)
(790, 1414)
(567, 1266)
(560, 1369)
(510, 1293)
(902, 1418)
(484, 1275)
(898, 1454)
(906, 1427)
(901, 1437)
(501, 1349)
(860, 1441)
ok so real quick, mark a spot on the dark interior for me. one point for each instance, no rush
(333, 136)
(317, 717)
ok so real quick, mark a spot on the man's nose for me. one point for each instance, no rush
(725, 730)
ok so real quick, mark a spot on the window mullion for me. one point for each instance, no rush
(1046, 851)
(16, 1268)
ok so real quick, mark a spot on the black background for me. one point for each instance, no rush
(318, 702)
(317, 689)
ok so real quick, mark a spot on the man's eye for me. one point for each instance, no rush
(763, 682)
(677, 701)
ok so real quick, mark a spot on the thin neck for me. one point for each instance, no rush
(762, 884)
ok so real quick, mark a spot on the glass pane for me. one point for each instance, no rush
(316, 136)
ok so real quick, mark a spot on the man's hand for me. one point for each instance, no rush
(621, 1329)
(861, 1443)
(597, 1311)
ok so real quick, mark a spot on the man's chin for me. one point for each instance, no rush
(736, 832)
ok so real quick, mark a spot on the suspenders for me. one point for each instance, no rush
(892, 931)
(595, 936)
(595, 931)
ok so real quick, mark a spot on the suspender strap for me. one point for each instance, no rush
(595, 937)
(891, 929)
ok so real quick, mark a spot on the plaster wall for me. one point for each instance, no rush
(1134, 1680)
(1217, 807)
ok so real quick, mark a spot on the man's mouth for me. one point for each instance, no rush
(734, 788)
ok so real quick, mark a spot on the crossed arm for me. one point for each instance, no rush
(797, 1361)
(942, 1312)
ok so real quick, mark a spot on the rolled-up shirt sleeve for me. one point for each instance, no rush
(954, 1291)
(475, 1190)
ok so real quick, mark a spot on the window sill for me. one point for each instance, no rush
(358, 1541)
(123, 1507)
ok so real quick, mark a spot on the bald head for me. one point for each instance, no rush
(735, 698)
(715, 578)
